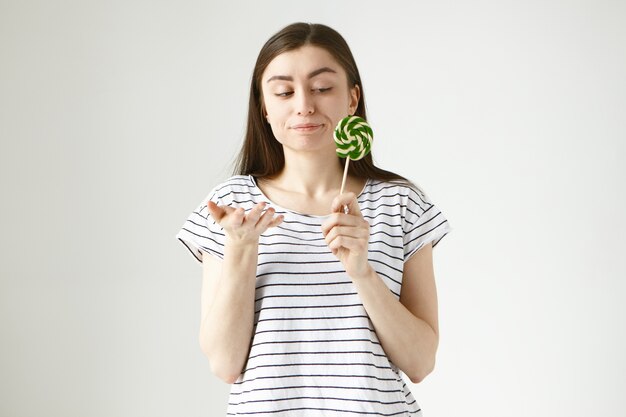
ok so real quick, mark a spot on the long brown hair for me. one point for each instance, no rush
(262, 155)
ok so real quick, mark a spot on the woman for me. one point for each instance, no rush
(308, 310)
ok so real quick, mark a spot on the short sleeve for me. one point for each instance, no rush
(422, 222)
(200, 231)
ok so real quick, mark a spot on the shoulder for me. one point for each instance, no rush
(403, 202)
(395, 190)
(228, 191)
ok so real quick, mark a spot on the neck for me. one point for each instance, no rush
(313, 174)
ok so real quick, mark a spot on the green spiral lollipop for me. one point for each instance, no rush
(353, 137)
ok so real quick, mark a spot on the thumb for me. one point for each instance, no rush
(348, 200)
(216, 211)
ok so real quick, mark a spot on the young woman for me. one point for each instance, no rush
(308, 310)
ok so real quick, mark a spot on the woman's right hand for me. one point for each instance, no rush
(244, 228)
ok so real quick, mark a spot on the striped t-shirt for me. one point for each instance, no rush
(314, 351)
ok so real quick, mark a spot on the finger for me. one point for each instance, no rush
(265, 219)
(339, 219)
(348, 231)
(346, 200)
(271, 221)
(334, 220)
(215, 211)
(353, 207)
(349, 243)
(329, 224)
(254, 214)
(334, 233)
(238, 215)
(341, 200)
(276, 221)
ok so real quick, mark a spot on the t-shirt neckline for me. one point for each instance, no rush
(280, 208)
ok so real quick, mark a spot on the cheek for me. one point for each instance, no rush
(337, 104)
(276, 120)
(274, 108)
(276, 124)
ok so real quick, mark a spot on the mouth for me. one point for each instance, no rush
(306, 127)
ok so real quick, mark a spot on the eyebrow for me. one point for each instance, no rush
(311, 75)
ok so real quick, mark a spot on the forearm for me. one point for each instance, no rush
(409, 342)
(227, 326)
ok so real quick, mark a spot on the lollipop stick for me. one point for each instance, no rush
(345, 175)
(343, 183)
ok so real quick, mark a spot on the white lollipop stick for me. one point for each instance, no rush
(343, 183)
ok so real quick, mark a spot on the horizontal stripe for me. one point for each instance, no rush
(300, 284)
(303, 295)
(298, 409)
(313, 318)
(324, 364)
(302, 273)
(314, 330)
(317, 398)
(305, 307)
(351, 352)
(280, 342)
(336, 261)
(303, 252)
(313, 376)
(317, 387)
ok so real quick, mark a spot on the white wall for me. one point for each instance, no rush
(117, 117)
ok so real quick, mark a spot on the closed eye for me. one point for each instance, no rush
(288, 93)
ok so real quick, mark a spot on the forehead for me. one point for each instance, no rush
(298, 63)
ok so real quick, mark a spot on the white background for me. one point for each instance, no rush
(117, 117)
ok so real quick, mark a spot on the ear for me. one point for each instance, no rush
(355, 96)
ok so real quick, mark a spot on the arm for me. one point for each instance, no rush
(228, 289)
(407, 328)
(228, 309)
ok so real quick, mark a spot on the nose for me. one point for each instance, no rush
(305, 104)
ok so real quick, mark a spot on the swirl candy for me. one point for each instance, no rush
(353, 137)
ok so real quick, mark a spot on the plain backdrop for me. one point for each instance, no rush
(117, 118)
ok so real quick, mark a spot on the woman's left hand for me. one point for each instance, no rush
(347, 235)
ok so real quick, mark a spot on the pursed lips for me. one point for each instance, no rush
(306, 126)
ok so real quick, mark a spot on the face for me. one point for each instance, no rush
(306, 93)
